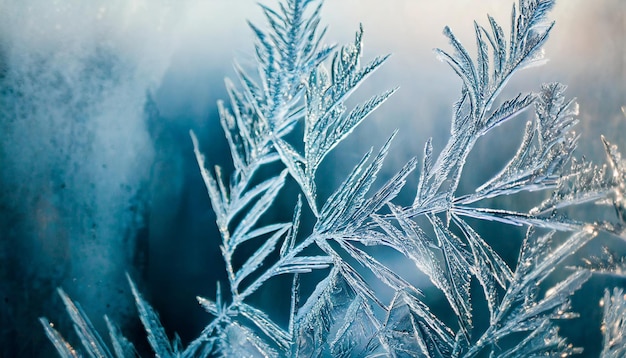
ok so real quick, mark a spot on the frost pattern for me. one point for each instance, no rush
(300, 83)
(614, 323)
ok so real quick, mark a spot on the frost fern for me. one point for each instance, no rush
(299, 83)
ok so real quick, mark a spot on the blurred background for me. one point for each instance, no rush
(97, 173)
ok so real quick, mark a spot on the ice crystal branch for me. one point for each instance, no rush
(361, 306)
(325, 122)
(519, 309)
(613, 323)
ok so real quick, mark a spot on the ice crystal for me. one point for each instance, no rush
(300, 83)
(609, 263)
(614, 323)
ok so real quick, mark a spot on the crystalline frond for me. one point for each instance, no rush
(522, 311)
(286, 53)
(159, 342)
(227, 204)
(91, 341)
(348, 208)
(488, 267)
(289, 54)
(541, 163)
(457, 263)
(452, 273)
(613, 323)
(410, 329)
(585, 182)
(121, 346)
(269, 107)
(483, 80)
(265, 110)
(618, 186)
(326, 122)
(264, 323)
(543, 341)
(288, 262)
(538, 258)
(247, 135)
(546, 147)
(483, 83)
(610, 263)
(64, 349)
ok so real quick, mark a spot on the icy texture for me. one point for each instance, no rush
(610, 263)
(614, 324)
(617, 182)
(363, 307)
